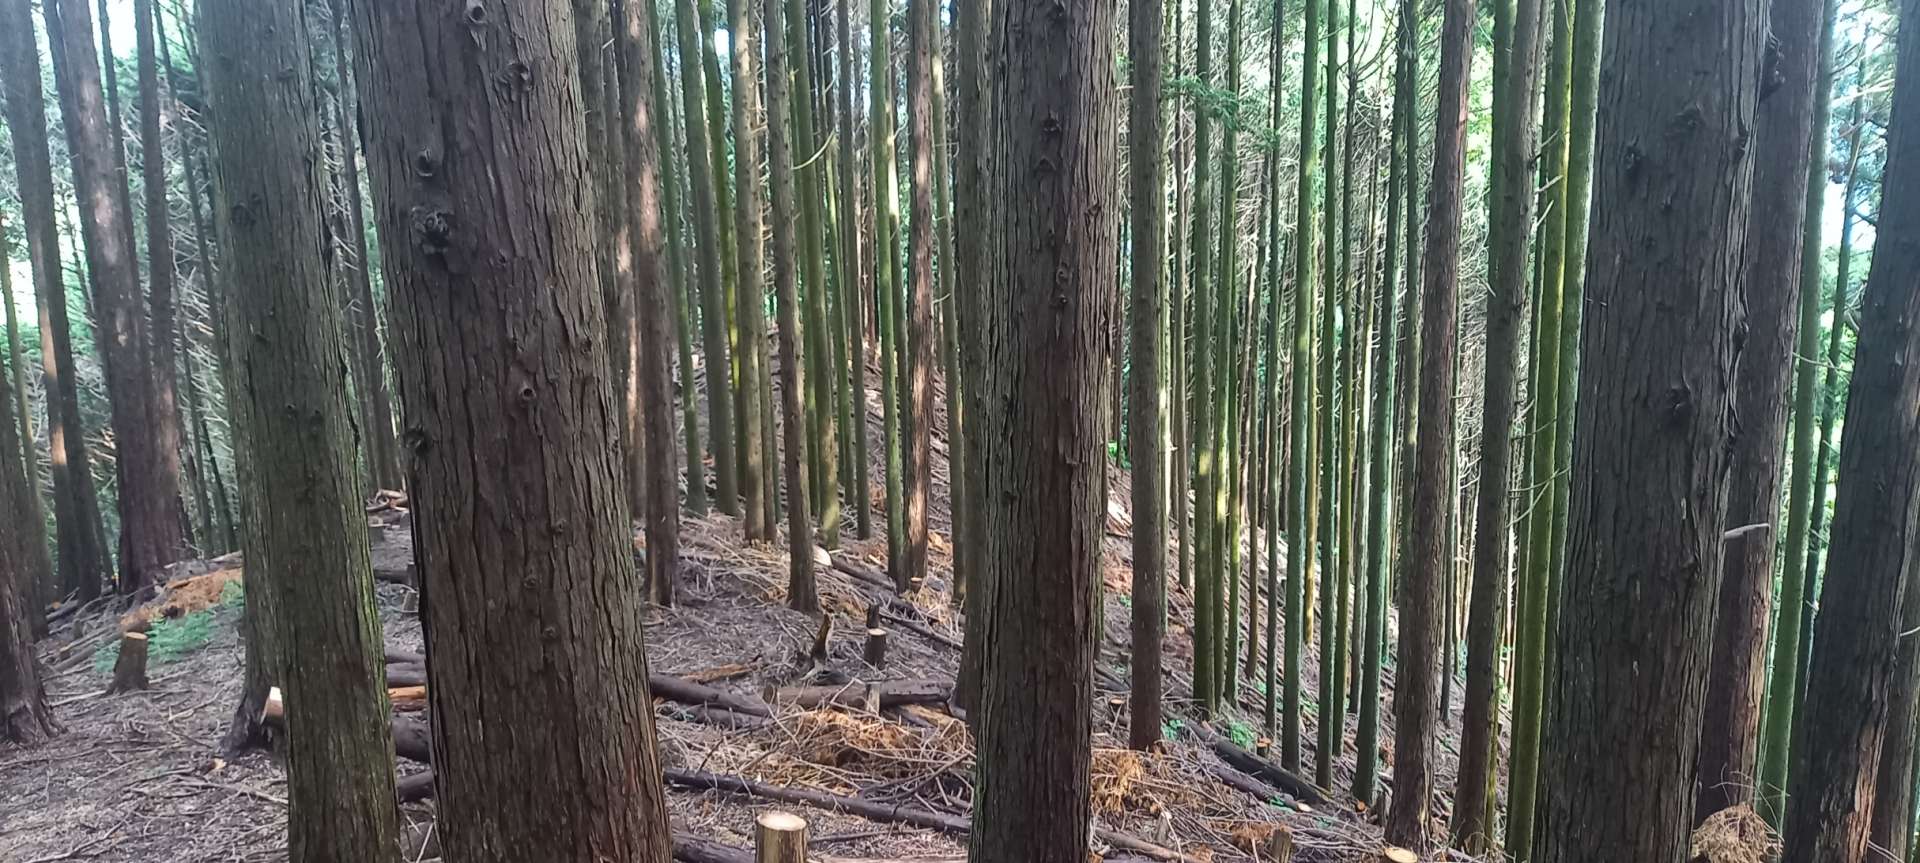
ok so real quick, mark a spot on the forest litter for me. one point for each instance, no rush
(759, 707)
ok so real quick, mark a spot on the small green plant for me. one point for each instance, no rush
(233, 594)
(1241, 735)
(169, 638)
(1171, 727)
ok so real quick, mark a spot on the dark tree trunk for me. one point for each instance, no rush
(973, 250)
(149, 492)
(1892, 826)
(82, 562)
(651, 295)
(1771, 272)
(1146, 407)
(1055, 183)
(162, 351)
(1874, 535)
(1511, 219)
(801, 592)
(295, 425)
(32, 564)
(1670, 208)
(1430, 552)
(24, 716)
(521, 526)
(918, 446)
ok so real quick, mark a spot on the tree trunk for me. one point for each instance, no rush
(1326, 428)
(163, 353)
(1830, 802)
(1670, 212)
(823, 440)
(82, 563)
(802, 594)
(642, 106)
(1299, 483)
(1055, 172)
(296, 426)
(150, 519)
(1146, 405)
(34, 566)
(1516, 37)
(1790, 112)
(972, 209)
(24, 716)
(756, 485)
(1892, 825)
(855, 286)
(706, 257)
(918, 481)
(1429, 550)
(524, 418)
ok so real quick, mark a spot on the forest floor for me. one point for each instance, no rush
(140, 776)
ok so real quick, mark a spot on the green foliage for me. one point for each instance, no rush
(1241, 735)
(172, 638)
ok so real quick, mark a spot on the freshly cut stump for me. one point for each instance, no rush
(780, 837)
(876, 652)
(1392, 854)
(130, 670)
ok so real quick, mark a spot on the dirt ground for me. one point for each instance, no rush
(140, 777)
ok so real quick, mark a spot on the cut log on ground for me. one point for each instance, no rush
(393, 574)
(130, 670)
(1242, 782)
(779, 837)
(408, 698)
(1282, 779)
(396, 656)
(415, 788)
(878, 696)
(406, 675)
(687, 692)
(1392, 854)
(719, 717)
(413, 739)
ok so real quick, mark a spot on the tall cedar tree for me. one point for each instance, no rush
(1789, 115)
(1429, 549)
(1327, 449)
(297, 428)
(706, 256)
(973, 249)
(522, 529)
(150, 516)
(809, 188)
(886, 267)
(1874, 529)
(757, 486)
(1299, 484)
(642, 103)
(1223, 404)
(801, 592)
(25, 718)
(382, 448)
(1516, 38)
(1146, 405)
(33, 564)
(1200, 411)
(1808, 180)
(1380, 476)
(591, 35)
(854, 286)
(1670, 207)
(1055, 184)
(162, 354)
(919, 318)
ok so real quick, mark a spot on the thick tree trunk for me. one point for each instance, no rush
(1830, 803)
(641, 112)
(1429, 549)
(34, 566)
(296, 427)
(802, 594)
(150, 518)
(1670, 209)
(1790, 111)
(163, 353)
(1892, 825)
(82, 562)
(515, 438)
(24, 716)
(1146, 405)
(1055, 173)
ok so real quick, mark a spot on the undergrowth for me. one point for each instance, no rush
(171, 638)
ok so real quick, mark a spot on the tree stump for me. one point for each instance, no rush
(410, 604)
(1391, 854)
(1279, 848)
(130, 670)
(876, 652)
(779, 837)
(274, 711)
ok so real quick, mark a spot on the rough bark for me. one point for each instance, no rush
(699, 155)
(918, 449)
(521, 524)
(1426, 578)
(1055, 173)
(24, 716)
(33, 566)
(756, 485)
(641, 112)
(149, 492)
(296, 428)
(1788, 114)
(1875, 535)
(1670, 207)
(1300, 418)
(82, 562)
(802, 593)
(974, 250)
(162, 351)
(1147, 406)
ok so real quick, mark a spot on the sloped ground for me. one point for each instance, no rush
(139, 777)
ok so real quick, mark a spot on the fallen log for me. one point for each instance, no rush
(413, 739)
(921, 629)
(720, 717)
(408, 698)
(878, 696)
(392, 574)
(953, 825)
(415, 788)
(396, 656)
(1242, 782)
(1280, 778)
(687, 692)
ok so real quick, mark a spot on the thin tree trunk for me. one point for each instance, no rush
(1147, 406)
(923, 43)
(886, 270)
(32, 563)
(1206, 590)
(25, 718)
(1623, 734)
(549, 442)
(297, 431)
(1055, 182)
(855, 285)
(972, 246)
(1327, 426)
(1421, 629)
(706, 241)
(162, 351)
(756, 487)
(1299, 484)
